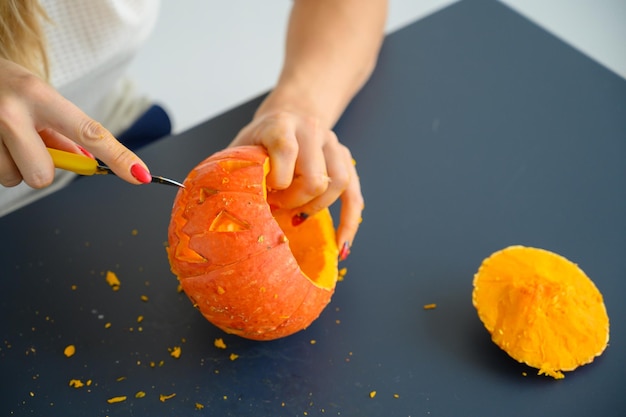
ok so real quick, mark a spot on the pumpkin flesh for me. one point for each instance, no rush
(541, 309)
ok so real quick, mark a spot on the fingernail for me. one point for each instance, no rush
(299, 218)
(86, 152)
(140, 173)
(345, 251)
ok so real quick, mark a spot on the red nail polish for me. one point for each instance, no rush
(140, 173)
(86, 152)
(345, 251)
(298, 219)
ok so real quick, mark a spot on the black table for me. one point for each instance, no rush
(478, 130)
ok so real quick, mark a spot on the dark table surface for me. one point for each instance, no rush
(478, 130)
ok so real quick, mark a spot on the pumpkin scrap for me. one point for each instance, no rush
(118, 399)
(112, 280)
(165, 397)
(244, 265)
(541, 309)
(76, 383)
(69, 351)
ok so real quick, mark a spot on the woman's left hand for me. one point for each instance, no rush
(309, 169)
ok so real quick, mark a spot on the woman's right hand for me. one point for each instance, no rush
(33, 116)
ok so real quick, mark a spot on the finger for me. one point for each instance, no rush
(55, 140)
(311, 176)
(62, 116)
(352, 205)
(24, 150)
(340, 169)
(276, 133)
(283, 153)
(9, 173)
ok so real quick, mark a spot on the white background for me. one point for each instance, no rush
(207, 56)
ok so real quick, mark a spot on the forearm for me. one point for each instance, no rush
(331, 50)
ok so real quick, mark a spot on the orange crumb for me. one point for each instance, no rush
(219, 343)
(164, 397)
(144, 298)
(175, 352)
(140, 394)
(313, 341)
(76, 383)
(199, 406)
(121, 378)
(119, 399)
(430, 306)
(342, 274)
(69, 351)
(233, 356)
(139, 319)
(396, 396)
(112, 280)
(74, 287)
(372, 394)
(134, 232)
(107, 325)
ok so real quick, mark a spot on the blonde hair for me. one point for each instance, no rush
(21, 35)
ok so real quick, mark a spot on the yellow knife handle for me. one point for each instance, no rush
(80, 164)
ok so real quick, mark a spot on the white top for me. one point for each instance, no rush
(90, 45)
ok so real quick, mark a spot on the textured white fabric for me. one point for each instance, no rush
(90, 44)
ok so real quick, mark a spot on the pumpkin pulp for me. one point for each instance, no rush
(313, 245)
(541, 309)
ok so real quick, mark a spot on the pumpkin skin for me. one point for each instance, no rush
(541, 309)
(245, 266)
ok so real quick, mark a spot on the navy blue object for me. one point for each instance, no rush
(152, 125)
(478, 130)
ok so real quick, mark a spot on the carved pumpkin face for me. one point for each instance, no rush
(541, 309)
(246, 268)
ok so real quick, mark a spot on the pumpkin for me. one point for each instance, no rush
(243, 264)
(541, 309)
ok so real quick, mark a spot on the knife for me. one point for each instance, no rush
(83, 165)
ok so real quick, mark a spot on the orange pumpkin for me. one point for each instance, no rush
(541, 309)
(245, 266)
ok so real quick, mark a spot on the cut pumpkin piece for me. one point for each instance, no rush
(541, 309)
(245, 267)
